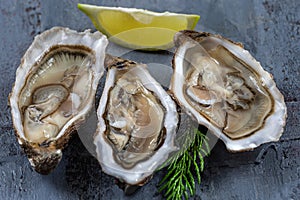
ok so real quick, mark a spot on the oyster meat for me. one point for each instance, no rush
(54, 91)
(137, 123)
(225, 89)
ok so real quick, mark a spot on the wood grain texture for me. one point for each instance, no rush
(270, 30)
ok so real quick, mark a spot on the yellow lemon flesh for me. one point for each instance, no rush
(138, 28)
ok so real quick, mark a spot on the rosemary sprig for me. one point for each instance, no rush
(179, 181)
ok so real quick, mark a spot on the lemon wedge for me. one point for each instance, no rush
(137, 28)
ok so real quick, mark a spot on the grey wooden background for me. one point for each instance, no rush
(269, 29)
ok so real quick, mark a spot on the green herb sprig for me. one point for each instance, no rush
(179, 181)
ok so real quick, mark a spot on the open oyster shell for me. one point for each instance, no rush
(137, 123)
(54, 90)
(225, 89)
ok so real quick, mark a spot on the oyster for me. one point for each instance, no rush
(137, 123)
(225, 89)
(54, 90)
